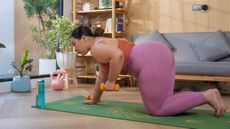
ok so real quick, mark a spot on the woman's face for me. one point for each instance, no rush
(80, 45)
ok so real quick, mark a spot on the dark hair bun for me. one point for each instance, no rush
(98, 32)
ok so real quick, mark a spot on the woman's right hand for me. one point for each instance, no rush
(109, 86)
(91, 100)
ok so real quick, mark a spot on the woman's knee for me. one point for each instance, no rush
(155, 112)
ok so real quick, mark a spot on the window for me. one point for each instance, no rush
(6, 37)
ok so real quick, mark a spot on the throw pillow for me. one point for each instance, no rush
(153, 36)
(212, 47)
(226, 59)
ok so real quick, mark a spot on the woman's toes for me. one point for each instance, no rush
(220, 111)
(215, 100)
(223, 111)
(217, 113)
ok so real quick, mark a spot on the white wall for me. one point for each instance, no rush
(67, 8)
(6, 35)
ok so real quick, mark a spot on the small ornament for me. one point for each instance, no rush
(88, 6)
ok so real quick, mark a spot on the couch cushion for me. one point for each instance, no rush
(211, 47)
(183, 51)
(153, 36)
(203, 68)
(226, 59)
(227, 35)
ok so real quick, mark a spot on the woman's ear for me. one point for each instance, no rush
(83, 37)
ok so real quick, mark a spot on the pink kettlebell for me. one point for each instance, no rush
(57, 83)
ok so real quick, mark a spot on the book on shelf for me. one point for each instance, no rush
(108, 25)
(119, 24)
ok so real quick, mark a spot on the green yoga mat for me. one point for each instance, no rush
(200, 119)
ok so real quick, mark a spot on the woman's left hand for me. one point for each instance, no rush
(109, 86)
(89, 102)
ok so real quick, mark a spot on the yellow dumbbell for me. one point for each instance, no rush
(115, 88)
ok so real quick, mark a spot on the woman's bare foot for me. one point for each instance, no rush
(214, 99)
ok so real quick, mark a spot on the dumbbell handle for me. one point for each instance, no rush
(115, 88)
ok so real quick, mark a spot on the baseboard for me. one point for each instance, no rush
(34, 82)
(5, 87)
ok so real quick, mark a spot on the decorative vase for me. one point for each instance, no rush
(66, 60)
(21, 84)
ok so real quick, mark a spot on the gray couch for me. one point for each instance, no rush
(196, 53)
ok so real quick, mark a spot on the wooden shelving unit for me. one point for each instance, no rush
(95, 11)
(114, 13)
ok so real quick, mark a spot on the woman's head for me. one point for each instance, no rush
(81, 38)
(80, 31)
(87, 31)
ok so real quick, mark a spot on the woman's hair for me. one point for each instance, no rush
(85, 30)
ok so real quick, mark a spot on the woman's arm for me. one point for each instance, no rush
(101, 78)
(115, 66)
(109, 54)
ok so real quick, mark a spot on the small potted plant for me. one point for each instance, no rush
(59, 36)
(22, 83)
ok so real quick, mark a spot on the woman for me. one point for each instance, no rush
(151, 63)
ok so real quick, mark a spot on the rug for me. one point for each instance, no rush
(195, 118)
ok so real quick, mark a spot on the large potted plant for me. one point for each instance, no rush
(44, 11)
(22, 83)
(59, 36)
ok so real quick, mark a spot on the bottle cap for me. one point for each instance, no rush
(40, 81)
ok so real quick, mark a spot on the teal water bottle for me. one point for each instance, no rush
(40, 94)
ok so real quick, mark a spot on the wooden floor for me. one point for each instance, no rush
(16, 111)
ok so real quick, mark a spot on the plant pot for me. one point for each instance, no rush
(47, 66)
(66, 60)
(21, 84)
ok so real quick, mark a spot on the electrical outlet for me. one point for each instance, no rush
(196, 7)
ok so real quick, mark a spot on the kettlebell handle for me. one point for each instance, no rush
(62, 74)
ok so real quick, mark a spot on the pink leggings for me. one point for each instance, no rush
(154, 66)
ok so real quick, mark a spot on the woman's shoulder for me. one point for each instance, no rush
(105, 44)
(105, 40)
(109, 42)
(103, 49)
(123, 39)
